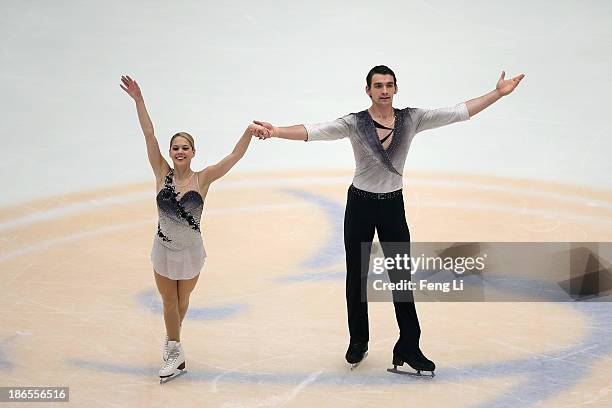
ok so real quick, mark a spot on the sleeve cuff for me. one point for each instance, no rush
(309, 131)
(464, 114)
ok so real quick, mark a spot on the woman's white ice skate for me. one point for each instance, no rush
(174, 366)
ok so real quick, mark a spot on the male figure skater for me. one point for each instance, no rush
(381, 136)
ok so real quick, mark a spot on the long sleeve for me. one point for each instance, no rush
(434, 118)
(334, 130)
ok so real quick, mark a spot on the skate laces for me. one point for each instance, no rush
(166, 347)
(173, 355)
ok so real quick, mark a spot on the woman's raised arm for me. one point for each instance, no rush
(158, 163)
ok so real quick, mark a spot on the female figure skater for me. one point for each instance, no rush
(178, 252)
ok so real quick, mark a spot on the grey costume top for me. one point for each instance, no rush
(378, 170)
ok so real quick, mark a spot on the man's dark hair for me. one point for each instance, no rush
(380, 69)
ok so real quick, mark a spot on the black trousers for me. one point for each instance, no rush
(362, 217)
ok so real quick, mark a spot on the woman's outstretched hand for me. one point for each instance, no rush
(131, 87)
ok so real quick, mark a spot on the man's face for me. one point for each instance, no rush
(382, 90)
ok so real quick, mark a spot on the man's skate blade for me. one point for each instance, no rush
(164, 380)
(394, 370)
(355, 365)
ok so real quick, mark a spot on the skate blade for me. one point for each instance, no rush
(165, 380)
(354, 366)
(394, 370)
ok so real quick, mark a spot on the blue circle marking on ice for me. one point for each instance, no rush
(333, 250)
(5, 363)
(149, 299)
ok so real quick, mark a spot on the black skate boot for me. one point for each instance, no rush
(356, 353)
(414, 359)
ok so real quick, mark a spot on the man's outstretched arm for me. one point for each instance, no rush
(296, 132)
(504, 87)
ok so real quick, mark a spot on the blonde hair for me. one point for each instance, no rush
(186, 136)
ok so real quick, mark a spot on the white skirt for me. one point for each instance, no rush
(183, 264)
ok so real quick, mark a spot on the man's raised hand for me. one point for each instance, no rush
(506, 86)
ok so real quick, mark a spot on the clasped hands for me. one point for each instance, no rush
(261, 130)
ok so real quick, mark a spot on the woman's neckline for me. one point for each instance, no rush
(185, 182)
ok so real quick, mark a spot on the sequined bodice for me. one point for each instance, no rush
(179, 212)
